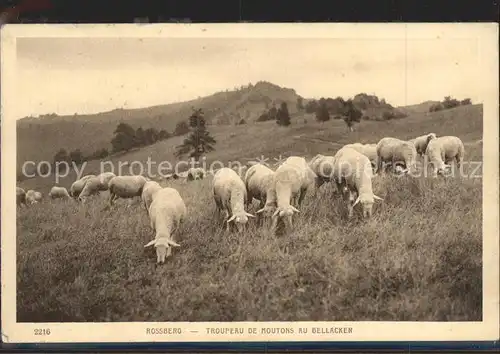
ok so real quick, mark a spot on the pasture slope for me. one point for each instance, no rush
(419, 258)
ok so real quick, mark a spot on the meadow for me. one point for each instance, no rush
(419, 258)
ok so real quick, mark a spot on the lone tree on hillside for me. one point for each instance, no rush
(351, 114)
(124, 138)
(200, 141)
(283, 117)
(322, 114)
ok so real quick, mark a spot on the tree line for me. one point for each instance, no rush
(448, 103)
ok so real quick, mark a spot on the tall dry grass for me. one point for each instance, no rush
(419, 258)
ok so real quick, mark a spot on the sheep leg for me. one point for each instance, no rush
(319, 181)
(302, 195)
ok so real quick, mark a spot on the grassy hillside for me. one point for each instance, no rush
(418, 108)
(247, 142)
(418, 259)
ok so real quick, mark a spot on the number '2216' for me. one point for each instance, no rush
(42, 332)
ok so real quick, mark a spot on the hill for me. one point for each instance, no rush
(404, 264)
(90, 133)
(93, 132)
(418, 108)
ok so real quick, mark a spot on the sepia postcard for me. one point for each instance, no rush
(249, 182)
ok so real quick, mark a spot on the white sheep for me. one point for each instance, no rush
(93, 186)
(291, 181)
(59, 192)
(444, 150)
(230, 196)
(195, 173)
(353, 170)
(149, 189)
(166, 212)
(396, 152)
(369, 150)
(421, 142)
(259, 184)
(33, 197)
(125, 187)
(77, 186)
(20, 196)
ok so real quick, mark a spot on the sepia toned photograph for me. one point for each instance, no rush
(210, 175)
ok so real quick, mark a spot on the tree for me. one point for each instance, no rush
(181, 128)
(61, 156)
(150, 136)
(300, 103)
(450, 102)
(465, 101)
(163, 134)
(124, 138)
(311, 106)
(76, 156)
(322, 114)
(351, 114)
(282, 116)
(140, 137)
(273, 112)
(200, 141)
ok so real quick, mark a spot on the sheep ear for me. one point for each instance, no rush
(248, 214)
(295, 209)
(231, 218)
(172, 243)
(276, 212)
(377, 197)
(150, 243)
(356, 202)
(260, 211)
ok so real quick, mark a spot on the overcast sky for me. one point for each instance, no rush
(89, 75)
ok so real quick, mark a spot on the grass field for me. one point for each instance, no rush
(419, 258)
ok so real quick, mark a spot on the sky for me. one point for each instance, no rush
(90, 75)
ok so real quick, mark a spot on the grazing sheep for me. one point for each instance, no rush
(166, 212)
(33, 197)
(442, 151)
(421, 142)
(322, 166)
(396, 152)
(20, 196)
(93, 186)
(259, 184)
(195, 173)
(230, 196)
(353, 170)
(104, 179)
(369, 150)
(149, 189)
(125, 187)
(291, 181)
(59, 192)
(77, 186)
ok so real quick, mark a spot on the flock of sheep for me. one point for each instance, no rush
(279, 192)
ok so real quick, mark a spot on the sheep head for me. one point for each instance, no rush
(268, 210)
(286, 214)
(366, 201)
(163, 249)
(240, 219)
